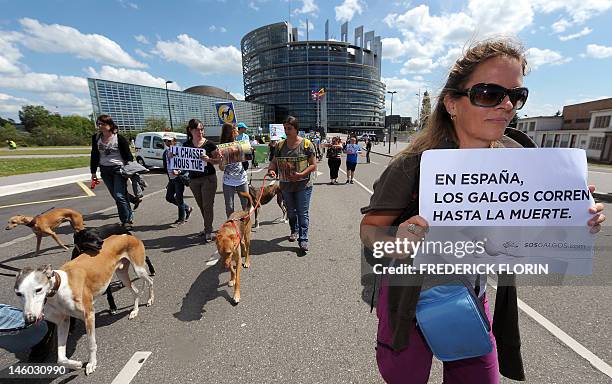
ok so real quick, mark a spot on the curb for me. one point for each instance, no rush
(382, 154)
(41, 184)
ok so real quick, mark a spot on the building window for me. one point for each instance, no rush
(532, 126)
(578, 121)
(569, 121)
(596, 143)
(602, 122)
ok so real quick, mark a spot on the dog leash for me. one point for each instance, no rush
(243, 218)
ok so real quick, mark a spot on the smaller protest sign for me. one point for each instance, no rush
(187, 158)
(235, 152)
(288, 166)
(277, 132)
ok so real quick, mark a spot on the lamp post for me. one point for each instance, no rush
(168, 98)
(390, 121)
(419, 109)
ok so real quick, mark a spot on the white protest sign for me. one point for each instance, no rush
(187, 158)
(277, 132)
(528, 205)
(505, 187)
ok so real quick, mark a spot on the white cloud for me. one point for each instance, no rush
(405, 101)
(133, 76)
(68, 101)
(537, 57)
(598, 51)
(142, 53)
(347, 10)
(44, 83)
(127, 4)
(237, 95)
(308, 6)
(214, 28)
(417, 65)
(9, 54)
(585, 31)
(393, 48)
(206, 60)
(57, 38)
(253, 6)
(561, 25)
(11, 104)
(142, 39)
(578, 10)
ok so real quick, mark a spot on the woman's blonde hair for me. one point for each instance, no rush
(439, 127)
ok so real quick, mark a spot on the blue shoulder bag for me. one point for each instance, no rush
(453, 321)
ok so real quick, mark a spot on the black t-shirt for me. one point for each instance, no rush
(209, 169)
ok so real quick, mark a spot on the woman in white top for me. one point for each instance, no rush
(234, 175)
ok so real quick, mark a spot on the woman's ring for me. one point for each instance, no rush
(412, 228)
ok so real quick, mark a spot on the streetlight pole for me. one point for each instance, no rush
(168, 98)
(390, 119)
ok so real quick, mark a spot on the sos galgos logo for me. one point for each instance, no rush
(225, 113)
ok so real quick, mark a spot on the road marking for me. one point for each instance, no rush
(359, 183)
(43, 201)
(88, 191)
(566, 339)
(131, 368)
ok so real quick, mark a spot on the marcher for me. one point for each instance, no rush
(176, 187)
(110, 151)
(334, 159)
(368, 150)
(234, 175)
(243, 136)
(16, 336)
(203, 184)
(298, 189)
(465, 116)
(352, 150)
(254, 142)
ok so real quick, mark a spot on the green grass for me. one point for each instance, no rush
(46, 152)
(10, 167)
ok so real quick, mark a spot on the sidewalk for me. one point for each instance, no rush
(11, 185)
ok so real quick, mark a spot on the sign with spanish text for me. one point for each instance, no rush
(187, 158)
(226, 113)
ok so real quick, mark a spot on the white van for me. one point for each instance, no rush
(150, 147)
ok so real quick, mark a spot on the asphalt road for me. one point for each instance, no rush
(300, 320)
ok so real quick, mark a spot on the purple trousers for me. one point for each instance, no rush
(413, 364)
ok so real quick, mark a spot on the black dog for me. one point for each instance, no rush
(91, 239)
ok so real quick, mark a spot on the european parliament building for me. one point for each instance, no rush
(130, 105)
(279, 70)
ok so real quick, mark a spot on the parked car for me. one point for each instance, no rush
(150, 148)
(366, 136)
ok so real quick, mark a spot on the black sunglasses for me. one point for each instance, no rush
(492, 95)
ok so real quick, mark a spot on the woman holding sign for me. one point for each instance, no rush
(482, 94)
(234, 174)
(203, 184)
(294, 161)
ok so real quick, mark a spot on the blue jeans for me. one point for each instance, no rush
(174, 195)
(117, 186)
(298, 204)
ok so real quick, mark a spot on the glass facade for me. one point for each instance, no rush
(130, 105)
(281, 71)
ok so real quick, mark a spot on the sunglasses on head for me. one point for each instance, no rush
(491, 95)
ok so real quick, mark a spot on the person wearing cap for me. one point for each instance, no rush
(242, 136)
(175, 188)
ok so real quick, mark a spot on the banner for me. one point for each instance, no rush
(225, 113)
(187, 159)
(235, 152)
(277, 132)
(287, 166)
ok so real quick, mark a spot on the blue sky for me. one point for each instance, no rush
(49, 48)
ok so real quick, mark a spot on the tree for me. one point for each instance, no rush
(32, 116)
(558, 113)
(6, 121)
(425, 110)
(77, 126)
(155, 124)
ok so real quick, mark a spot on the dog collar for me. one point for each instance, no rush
(31, 223)
(56, 285)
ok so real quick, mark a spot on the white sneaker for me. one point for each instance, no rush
(210, 237)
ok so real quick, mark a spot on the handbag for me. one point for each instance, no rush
(184, 178)
(453, 321)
